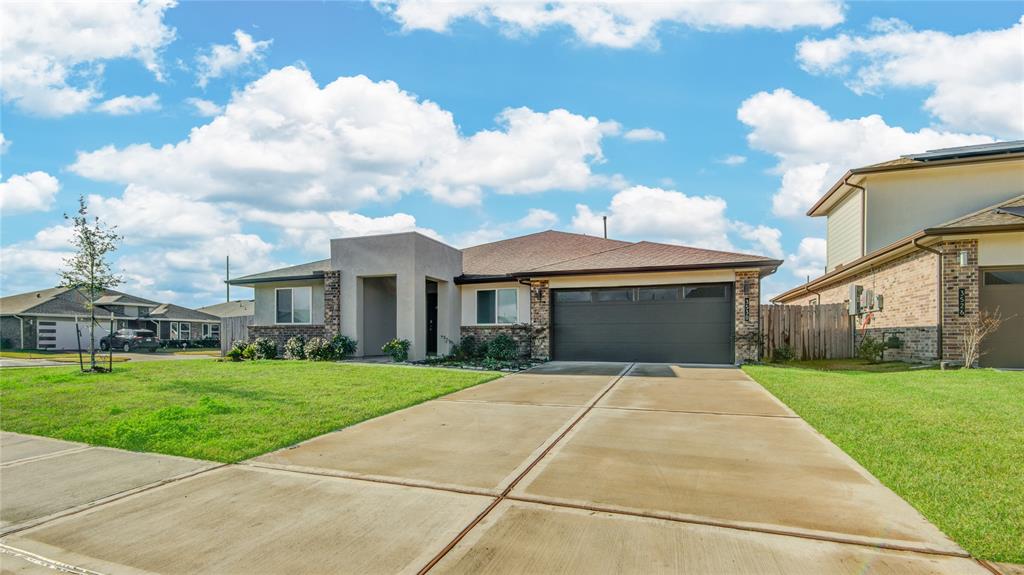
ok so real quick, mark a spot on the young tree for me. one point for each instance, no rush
(88, 270)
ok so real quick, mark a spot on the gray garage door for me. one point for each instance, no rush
(676, 324)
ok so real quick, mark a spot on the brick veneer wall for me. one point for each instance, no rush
(521, 333)
(747, 294)
(282, 333)
(540, 318)
(909, 304)
(954, 278)
(332, 302)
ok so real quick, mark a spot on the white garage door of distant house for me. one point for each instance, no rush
(60, 334)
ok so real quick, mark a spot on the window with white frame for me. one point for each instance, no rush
(207, 330)
(496, 306)
(184, 330)
(293, 305)
(174, 330)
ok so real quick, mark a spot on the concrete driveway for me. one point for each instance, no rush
(567, 468)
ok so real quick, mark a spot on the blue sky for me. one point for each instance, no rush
(704, 124)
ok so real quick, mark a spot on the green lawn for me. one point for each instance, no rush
(219, 411)
(949, 442)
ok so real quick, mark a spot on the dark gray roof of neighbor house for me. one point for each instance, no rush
(171, 311)
(236, 308)
(118, 298)
(1006, 214)
(302, 271)
(562, 253)
(23, 302)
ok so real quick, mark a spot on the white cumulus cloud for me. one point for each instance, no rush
(809, 259)
(223, 59)
(31, 192)
(733, 160)
(312, 231)
(143, 215)
(976, 79)
(54, 51)
(204, 108)
(813, 149)
(286, 141)
(129, 105)
(644, 135)
(615, 24)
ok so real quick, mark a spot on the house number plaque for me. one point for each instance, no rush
(961, 302)
(746, 309)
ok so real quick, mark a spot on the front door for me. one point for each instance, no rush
(432, 323)
(1002, 291)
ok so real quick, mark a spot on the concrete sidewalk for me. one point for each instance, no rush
(567, 468)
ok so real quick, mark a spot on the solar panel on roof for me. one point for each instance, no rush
(992, 149)
(1013, 211)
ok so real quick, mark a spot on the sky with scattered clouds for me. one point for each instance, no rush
(261, 130)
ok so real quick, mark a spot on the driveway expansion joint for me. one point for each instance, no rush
(357, 477)
(50, 455)
(43, 561)
(508, 489)
(697, 412)
(747, 528)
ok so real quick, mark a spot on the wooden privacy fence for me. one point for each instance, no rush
(234, 329)
(811, 331)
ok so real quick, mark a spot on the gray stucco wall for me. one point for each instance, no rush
(380, 313)
(410, 258)
(265, 304)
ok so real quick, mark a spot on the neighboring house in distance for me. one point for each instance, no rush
(559, 295)
(234, 308)
(235, 318)
(940, 236)
(45, 319)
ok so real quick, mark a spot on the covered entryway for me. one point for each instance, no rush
(669, 323)
(1002, 289)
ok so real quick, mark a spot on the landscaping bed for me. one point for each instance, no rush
(219, 411)
(949, 442)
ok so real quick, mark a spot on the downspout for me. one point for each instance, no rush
(21, 331)
(938, 295)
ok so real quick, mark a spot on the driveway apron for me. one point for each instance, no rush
(566, 468)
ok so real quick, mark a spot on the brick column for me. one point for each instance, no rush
(332, 303)
(954, 279)
(540, 318)
(748, 311)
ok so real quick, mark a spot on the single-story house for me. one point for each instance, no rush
(558, 295)
(235, 318)
(45, 319)
(921, 245)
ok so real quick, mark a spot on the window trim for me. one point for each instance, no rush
(293, 322)
(476, 302)
(181, 332)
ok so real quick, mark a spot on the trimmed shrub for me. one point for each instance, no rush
(502, 348)
(467, 348)
(344, 346)
(319, 349)
(398, 349)
(871, 349)
(236, 351)
(295, 348)
(782, 354)
(263, 348)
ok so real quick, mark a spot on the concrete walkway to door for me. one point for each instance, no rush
(566, 468)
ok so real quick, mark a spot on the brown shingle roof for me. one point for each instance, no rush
(560, 252)
(653, 255)
(531, 251)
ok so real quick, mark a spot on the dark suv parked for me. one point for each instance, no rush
(131, 340)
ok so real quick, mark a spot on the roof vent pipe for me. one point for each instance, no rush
(605, 219)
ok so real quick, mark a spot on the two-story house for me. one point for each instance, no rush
(936, 238)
